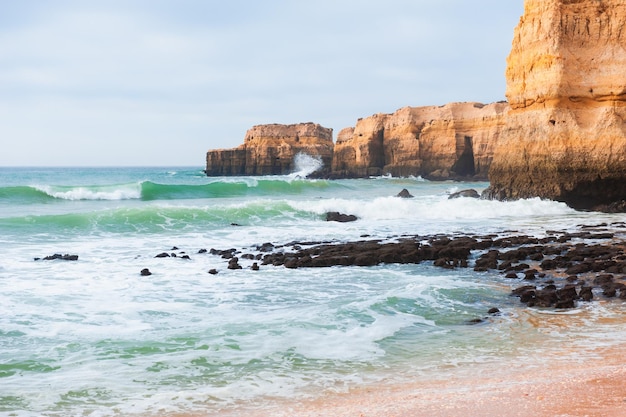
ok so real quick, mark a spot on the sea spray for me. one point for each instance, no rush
(305, 165)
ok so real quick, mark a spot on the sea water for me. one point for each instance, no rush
(95, 337)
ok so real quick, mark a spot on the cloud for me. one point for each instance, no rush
(165, 81)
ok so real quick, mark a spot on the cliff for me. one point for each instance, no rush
(562, 135)
(452, 141)
(565, 136)
(271, 149)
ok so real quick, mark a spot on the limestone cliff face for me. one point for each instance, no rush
(455, 140)
(565, 137)
(270, 150)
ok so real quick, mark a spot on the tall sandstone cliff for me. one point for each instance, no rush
(565, 136)
(271, 149)
(452, 141)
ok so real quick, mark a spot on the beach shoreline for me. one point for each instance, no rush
(586, 378)
(592, 388)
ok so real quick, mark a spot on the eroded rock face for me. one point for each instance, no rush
(271, 149)
(452, 141)
(565, 136)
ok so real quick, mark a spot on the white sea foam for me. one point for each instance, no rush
(95, 337)
(305, 165)
(108, 192)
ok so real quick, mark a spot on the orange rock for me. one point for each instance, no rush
(455, 140)
(271, 149)
(565, 137)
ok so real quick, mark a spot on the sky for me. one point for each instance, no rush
(161, 82)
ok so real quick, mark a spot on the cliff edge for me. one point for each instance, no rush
(271, 150)
(565, 136)
(439, 142)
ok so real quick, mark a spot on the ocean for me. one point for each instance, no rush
(95, 337)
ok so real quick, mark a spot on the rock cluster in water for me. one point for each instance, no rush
(560, 270)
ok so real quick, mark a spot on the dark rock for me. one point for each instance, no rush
(202, 251)
(185, 257)
(58, 256)
(163, 255)
(255, 267)
(145, 272)
(609, 291)
(487, 261)
(213, 271)
(586, 293)
(404, 194)
(471, 193)
(335, 216)
(530, 274)
(493, 310)
(233, 263)
(603, 279)
(266, 247)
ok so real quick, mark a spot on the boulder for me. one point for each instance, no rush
(471, 193)
(404, 194)
(335, 216)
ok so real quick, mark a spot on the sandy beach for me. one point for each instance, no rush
(592, 389)
(570, 382)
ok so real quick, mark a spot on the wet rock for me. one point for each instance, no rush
(163, 255)
(255, 266)
(335, 216)
(233, 263)
(404, 194)
(586, 293)
(470, 193)
(530, 274)
(487, 261)
(145, 272)
(213, 271)
(266, 247)
(58, 256)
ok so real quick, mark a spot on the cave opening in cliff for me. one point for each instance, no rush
(464, 166)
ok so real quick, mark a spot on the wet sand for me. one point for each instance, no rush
(592, 389)
(564, 381)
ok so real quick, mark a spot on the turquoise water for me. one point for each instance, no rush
(94, 337)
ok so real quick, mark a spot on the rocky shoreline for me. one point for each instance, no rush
(558, 271)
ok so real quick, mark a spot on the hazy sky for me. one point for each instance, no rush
(160, 82)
